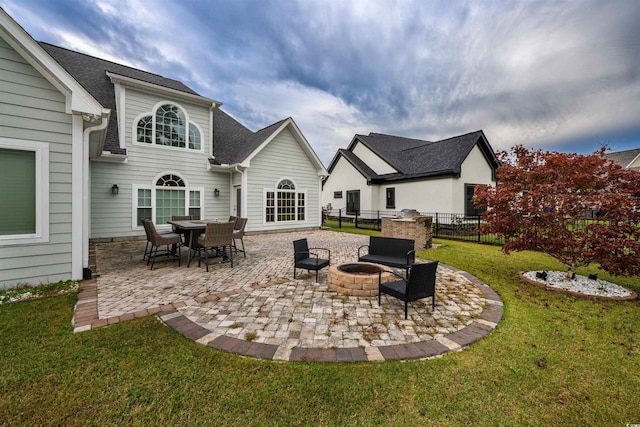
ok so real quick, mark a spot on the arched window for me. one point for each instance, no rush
(168, 196)
(194, 137)
(286, 184)
(285, 204)
(168, 126)
(145, 130)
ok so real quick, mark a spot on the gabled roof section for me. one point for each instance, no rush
(415, 158)
(230, 139)
(388, 147)
(447, 155)
(79, 100)
(356, 162)
(92, 74)
(235, 144)
(625, 158)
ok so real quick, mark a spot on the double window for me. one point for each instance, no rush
(285, 203)
(24, 200)
(168, 196)
(168, 126)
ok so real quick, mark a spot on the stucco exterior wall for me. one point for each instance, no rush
(378, 165)
(437, 194)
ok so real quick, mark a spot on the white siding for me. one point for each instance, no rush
(283, 157)
(32, 109)
(112, 215)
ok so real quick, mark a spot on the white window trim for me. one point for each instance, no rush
(41, 150)
(275, 190)
(152, 113)
(134, 202)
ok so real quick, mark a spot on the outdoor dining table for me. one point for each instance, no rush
(191, 228)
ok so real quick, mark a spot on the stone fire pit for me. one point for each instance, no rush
(357, 278)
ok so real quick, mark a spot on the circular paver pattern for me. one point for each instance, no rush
(257, 308)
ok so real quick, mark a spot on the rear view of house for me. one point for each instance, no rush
(90, 148)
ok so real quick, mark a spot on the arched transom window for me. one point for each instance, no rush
(285, 203)
(168, 196)
(169, 127)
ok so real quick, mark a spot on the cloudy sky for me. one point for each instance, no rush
(557, 75)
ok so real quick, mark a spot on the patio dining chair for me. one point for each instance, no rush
(156, 239)
(147, 248)
(306, 259)
(216, 238)
(421, 283)
(238, 234)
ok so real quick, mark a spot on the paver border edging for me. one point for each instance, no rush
(456, 341)
(85, 317)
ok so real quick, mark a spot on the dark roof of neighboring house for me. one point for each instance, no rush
(415, 158)
(624, 158)
(233, 142)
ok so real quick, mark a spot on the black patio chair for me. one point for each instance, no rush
(420, 284)
(305, 259)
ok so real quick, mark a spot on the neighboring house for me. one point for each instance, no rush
(391, 173)
(628, 159)
(89, 148)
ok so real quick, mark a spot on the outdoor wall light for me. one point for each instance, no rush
(216, 192)
(114, 189)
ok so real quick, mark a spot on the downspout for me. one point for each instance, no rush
(84, 185)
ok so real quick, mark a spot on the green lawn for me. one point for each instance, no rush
(553, 360)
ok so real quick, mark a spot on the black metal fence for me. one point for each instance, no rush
(454, 226)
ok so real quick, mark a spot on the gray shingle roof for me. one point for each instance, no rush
(233, 142)
(623, 158)
(91, 73)
(415, 158)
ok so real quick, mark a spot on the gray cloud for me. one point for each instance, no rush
(545, 73)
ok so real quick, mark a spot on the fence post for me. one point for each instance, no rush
(340, 218)
(437, 226)
(479, 233)
(356, 220)
(378, 222)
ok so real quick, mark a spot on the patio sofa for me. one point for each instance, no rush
(389, 251)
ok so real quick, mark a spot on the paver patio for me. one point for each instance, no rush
(258, 309)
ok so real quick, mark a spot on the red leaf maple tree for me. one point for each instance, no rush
(542, 202)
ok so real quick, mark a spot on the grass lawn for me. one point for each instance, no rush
(553, 360)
